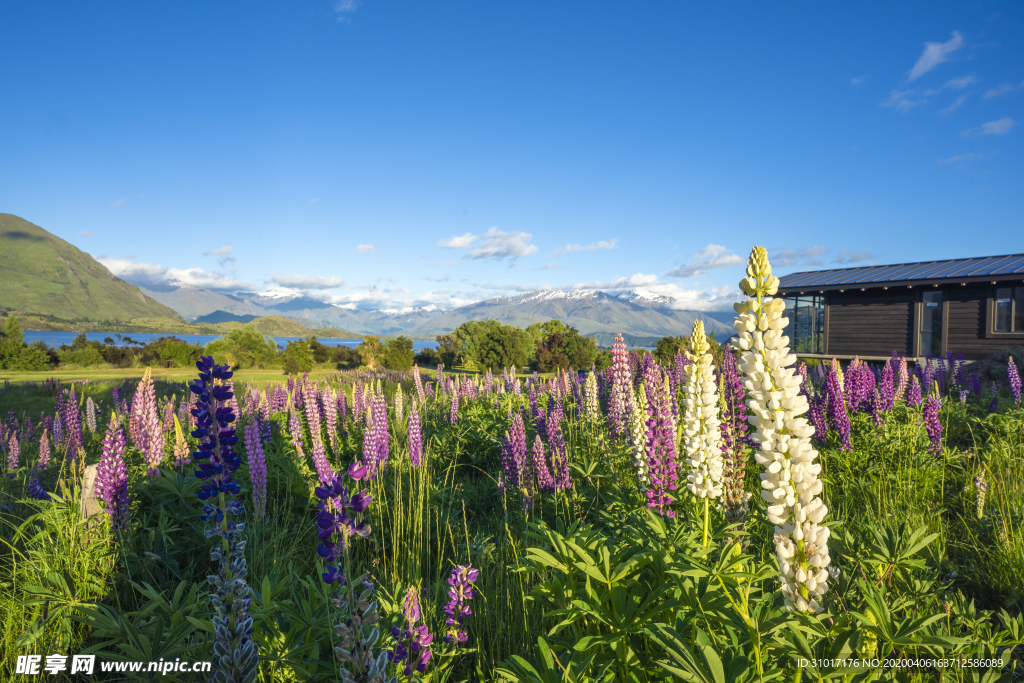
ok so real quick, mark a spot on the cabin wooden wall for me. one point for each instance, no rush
(968, 324)
(871, 323)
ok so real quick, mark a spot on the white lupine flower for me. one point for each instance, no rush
(637, 411)
(702, 429)
(790, 481)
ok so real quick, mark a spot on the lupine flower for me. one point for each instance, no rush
(638, 434)
(73, 424)
(413, 642)
(901, 378)
(532, 399)
(660, 442)
(914, 393)
(235, 655)
(453, 415)
(399, 404)
(735, 500)
(886, 390)
(295, 429)
(90, 415)
(702, 428)
(112, 476)
(790, 482)
(440, 375)
(418, 381)
(13, 455)
(980, 486)
(150, 432)
(323, 468)
(313, 421)
(44, 450)
(621, 385)
(545, 482)
(931, 422)
(27, 429)
(1014, 377)
(993, 407)
(461, 582)
(35, 489)
(415, 436)
(257, 468)
(556, 441)
(590, 406)
(181, 449)
(379, 408)
(836, 405)
(329, 408)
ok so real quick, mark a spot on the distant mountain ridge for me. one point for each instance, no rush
(41, 274)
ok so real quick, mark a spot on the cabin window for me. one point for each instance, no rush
(806, 328)
(931, 324)
(1009, 310)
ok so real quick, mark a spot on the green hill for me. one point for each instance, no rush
(42, 275)
(278, 326)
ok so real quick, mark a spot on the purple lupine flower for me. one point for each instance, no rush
(816, 413)
(453, 414)
(73, 424)
(415, 436)
(323, 468)
(312, 410)
(342, 407)
(370, 447)
(35, 489)
(13, 455)
(112, 476)
(461, 582)
(1014, 377)
(902, 377)
(886, 390)
(257, 468)
(532, 397)
(932, 423)
(836, 407)
(44, 450)
(914, 393)
(621, 383)
(734, 437)
(440, 375)
(329, 408)
(151, 432)
(993, 407)
(545, 482)
(235, 654)
(340, 519)
(975, 384)
(559, 451)
(379, 408)
(412, 644)
(295, 430)
(876, 409)
(661, 450)
(418, 381)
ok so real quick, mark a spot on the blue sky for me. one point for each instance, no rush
(397, 153)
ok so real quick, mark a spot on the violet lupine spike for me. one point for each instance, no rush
(440, 375)
(35, 489)
(323, 468)
(412, 644)
(545, 482)
(235, 655)
(559, 450)
(932, 424)
(73, 424)
(886, 390)
(461, 590)
(621, 386)
(151, 428)
(312, 411)
(329, 408)
(44, 450)
(90, 415)
(913, 393)
(112, 476)
(13, 456)
(836, 406)
(295, 430)
(661, 449)
(415, 436)
(379, 408)
(370, 434)
(1013, 375)
(257, 468)
(418, 381)
(453, 414)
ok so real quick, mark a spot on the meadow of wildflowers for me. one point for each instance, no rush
(753, 517)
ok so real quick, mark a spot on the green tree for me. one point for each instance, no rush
(449, 349)
(562, 348)
(12, 331)
(243, 347)
(297, 357)
(666, 348)
(371, 351)
(492, 345)
(398, 353)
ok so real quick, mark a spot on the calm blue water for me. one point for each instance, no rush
(55, 339)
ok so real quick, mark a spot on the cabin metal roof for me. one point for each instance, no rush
(925, 272)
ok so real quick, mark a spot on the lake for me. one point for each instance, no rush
(55, 339)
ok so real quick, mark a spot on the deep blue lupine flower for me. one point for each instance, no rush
(340, 518)
(456, 611)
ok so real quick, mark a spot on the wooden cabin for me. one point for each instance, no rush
(972, 304)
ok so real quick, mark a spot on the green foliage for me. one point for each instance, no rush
(297, 357)
(449, 349)
(562, 347)
(493, 345)
(371, 351)
(667, 347)
(15, 354)
(244, 347)
(398, 353)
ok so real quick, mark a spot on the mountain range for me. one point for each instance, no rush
(48, 280)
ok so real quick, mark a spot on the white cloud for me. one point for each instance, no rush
(1002, 89)
(785, 257)
(458, 241)
(845, 256)
(935, 54)
(903, 100)
(570, 248)
(144, 274)
(953, 107)
(365, 249)
(85, 233)
(958, 83)
(859, 80)
(709, 258)
(344, 8)
(498, 244)
(219, 251)
(961, 158)
(713, 299)
(442, 263)
(119, 202)
(998, 127)
(552, 266)
(306, 281)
